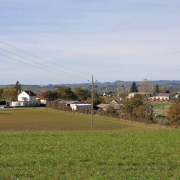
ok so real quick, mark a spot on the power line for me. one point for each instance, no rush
(42, 59)
(42, 68)
(39, 63)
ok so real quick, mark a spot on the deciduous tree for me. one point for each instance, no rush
(146, 86)
(50, 95)
(82, 94)
(66, 93)
(174, 113)
(1, 92)
(10, 94)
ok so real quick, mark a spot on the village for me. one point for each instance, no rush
(112, 103)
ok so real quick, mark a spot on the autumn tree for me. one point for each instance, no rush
(50, 95)
(66, 93)
(134, 87)
(137, 106)
(146, 86)
(1, 92)
(82, 94)
(10, 94)
(174, 113)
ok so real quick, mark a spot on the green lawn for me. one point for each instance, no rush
(109, 99)
(48, 119)
(161, 108)
(125, 154)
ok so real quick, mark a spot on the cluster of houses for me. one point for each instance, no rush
(30, 99)
(163, 95)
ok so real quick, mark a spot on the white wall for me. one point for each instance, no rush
(26, 96)
(23, 95)
(76, 106)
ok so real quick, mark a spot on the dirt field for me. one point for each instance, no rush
(47, 119)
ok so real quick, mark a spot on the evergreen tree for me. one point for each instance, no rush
(17, 86)
(134, 87)
(157, 89)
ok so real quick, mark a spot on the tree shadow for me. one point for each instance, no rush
(4, 114)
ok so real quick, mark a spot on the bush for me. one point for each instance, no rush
(174, 113)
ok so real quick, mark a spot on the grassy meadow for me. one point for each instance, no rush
(125, 154)
(51, 144)
(161, 108)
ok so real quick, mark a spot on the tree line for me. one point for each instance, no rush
(79, 94)
(145, 86)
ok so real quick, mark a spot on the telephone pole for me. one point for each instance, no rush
(92, 121)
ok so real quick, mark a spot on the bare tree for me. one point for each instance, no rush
(146, 86)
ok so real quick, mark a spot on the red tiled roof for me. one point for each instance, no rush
(164, 91)
(39, 95)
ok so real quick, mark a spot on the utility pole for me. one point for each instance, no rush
(92, 121)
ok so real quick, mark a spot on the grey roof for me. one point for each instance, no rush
(164, 94)
(70, 102)
(144, 93)
(105, 106)
(115, 101)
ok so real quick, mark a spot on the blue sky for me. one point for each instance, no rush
(111, 39)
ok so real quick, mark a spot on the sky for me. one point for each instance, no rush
(112, 40)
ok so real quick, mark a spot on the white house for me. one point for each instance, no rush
(147, 94)
(163, 96)
(26, 98)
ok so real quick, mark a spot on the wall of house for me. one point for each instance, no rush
(32, 98)
(74, 107)
(25, 97)
(162, 97)
(25, 103)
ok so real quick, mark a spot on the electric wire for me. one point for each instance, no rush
(39, 63)
(42, 68)
(43, 59)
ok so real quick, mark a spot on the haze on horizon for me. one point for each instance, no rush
(111, 39)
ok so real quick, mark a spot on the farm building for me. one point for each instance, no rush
(26, 98)
(147, 94)
(163, 97)
(75, 104)
(75, 107)
(116, 101)
(40, 98)
(105, 106)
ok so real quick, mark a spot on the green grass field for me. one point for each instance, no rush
(48, 119)
(109, 99)
(161, 108)
(51, 144)
(125, 154)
